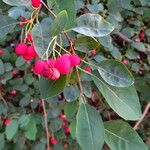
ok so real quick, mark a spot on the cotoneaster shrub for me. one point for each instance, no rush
(73, 74)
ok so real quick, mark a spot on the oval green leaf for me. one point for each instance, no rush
(93, 25)
(18, 2)
(124, 101)
(89, 130)
(120, 135)
(115, 73)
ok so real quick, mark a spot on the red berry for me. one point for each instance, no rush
(125, 62)
(36, 3)
(62, 116)
(63, 124)
(63, 65)
(142, 35)
(88, 69)
(29, 38)
(27, 57)
(7, 122)
(138, 40)
(21, 49)
(75, 60)
(1, 51)
(14, 92)
(67, 130)
(55, 74)
(31, 51)
(14, 72)
(53, 141)
(51, 62)
(93, 52)
(39, 66)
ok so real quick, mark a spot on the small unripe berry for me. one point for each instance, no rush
(36, 3)
(63, 65)
(39, 66)
(14, 92)
(137, 40)
(88, 69)
(31, 51)
(67, 130)
(75, 60)
(21, 49)
(1, 51)
(92, 52)
(7, 122)
(53, 141)
(125, 62)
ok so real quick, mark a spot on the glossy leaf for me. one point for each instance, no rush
(41, 37)
(50, 88)
(115, 73)
(120, 135)
(124, 101)
(2, 70)
(93, 25)
(6, 25)
(11, 129)
(71, 93)
(18, 2)
(89, 130)
(59, 23)
(85, 44)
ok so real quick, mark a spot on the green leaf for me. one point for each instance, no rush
(41, 37)
(139, 46)
(18, 2)
(69, 6)
(115, 73)
(31, 130)
(20, 61)
(2, 141)
(72, 128)
(6, 25)
(93, 25)
(59, 23)
(85, 44)
(89, 130)
(124, 101)
(71, 93)
(50, 88)
(119, 135)
(24, 120)
(11, 129)
(2, 70)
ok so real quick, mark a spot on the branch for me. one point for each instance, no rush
(136, 126)
(46, 125)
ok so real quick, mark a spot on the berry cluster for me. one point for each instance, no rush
(53, 68)
(27, 52)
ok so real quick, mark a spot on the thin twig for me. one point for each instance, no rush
(46, 125)
(136, 126)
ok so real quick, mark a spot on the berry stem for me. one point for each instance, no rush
(46, 125)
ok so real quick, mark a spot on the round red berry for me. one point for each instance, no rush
(67, 130)
(39, 66)
(7, 122)
(54, 74)
(1, 51)
(36, 3)
(21, 49)
(31, 51)
(125, 62)
(53, 141)
(75, 60)
(93, 52)
(137, 40)
(88, 69)
(14, 92)
(62, 116)
(27, 57)
(63, 64)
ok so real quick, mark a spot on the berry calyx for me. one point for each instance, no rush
(63, 65)
(21, 49)
(75, 60)
(36, 3)
(7, 122)
(53, 141)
